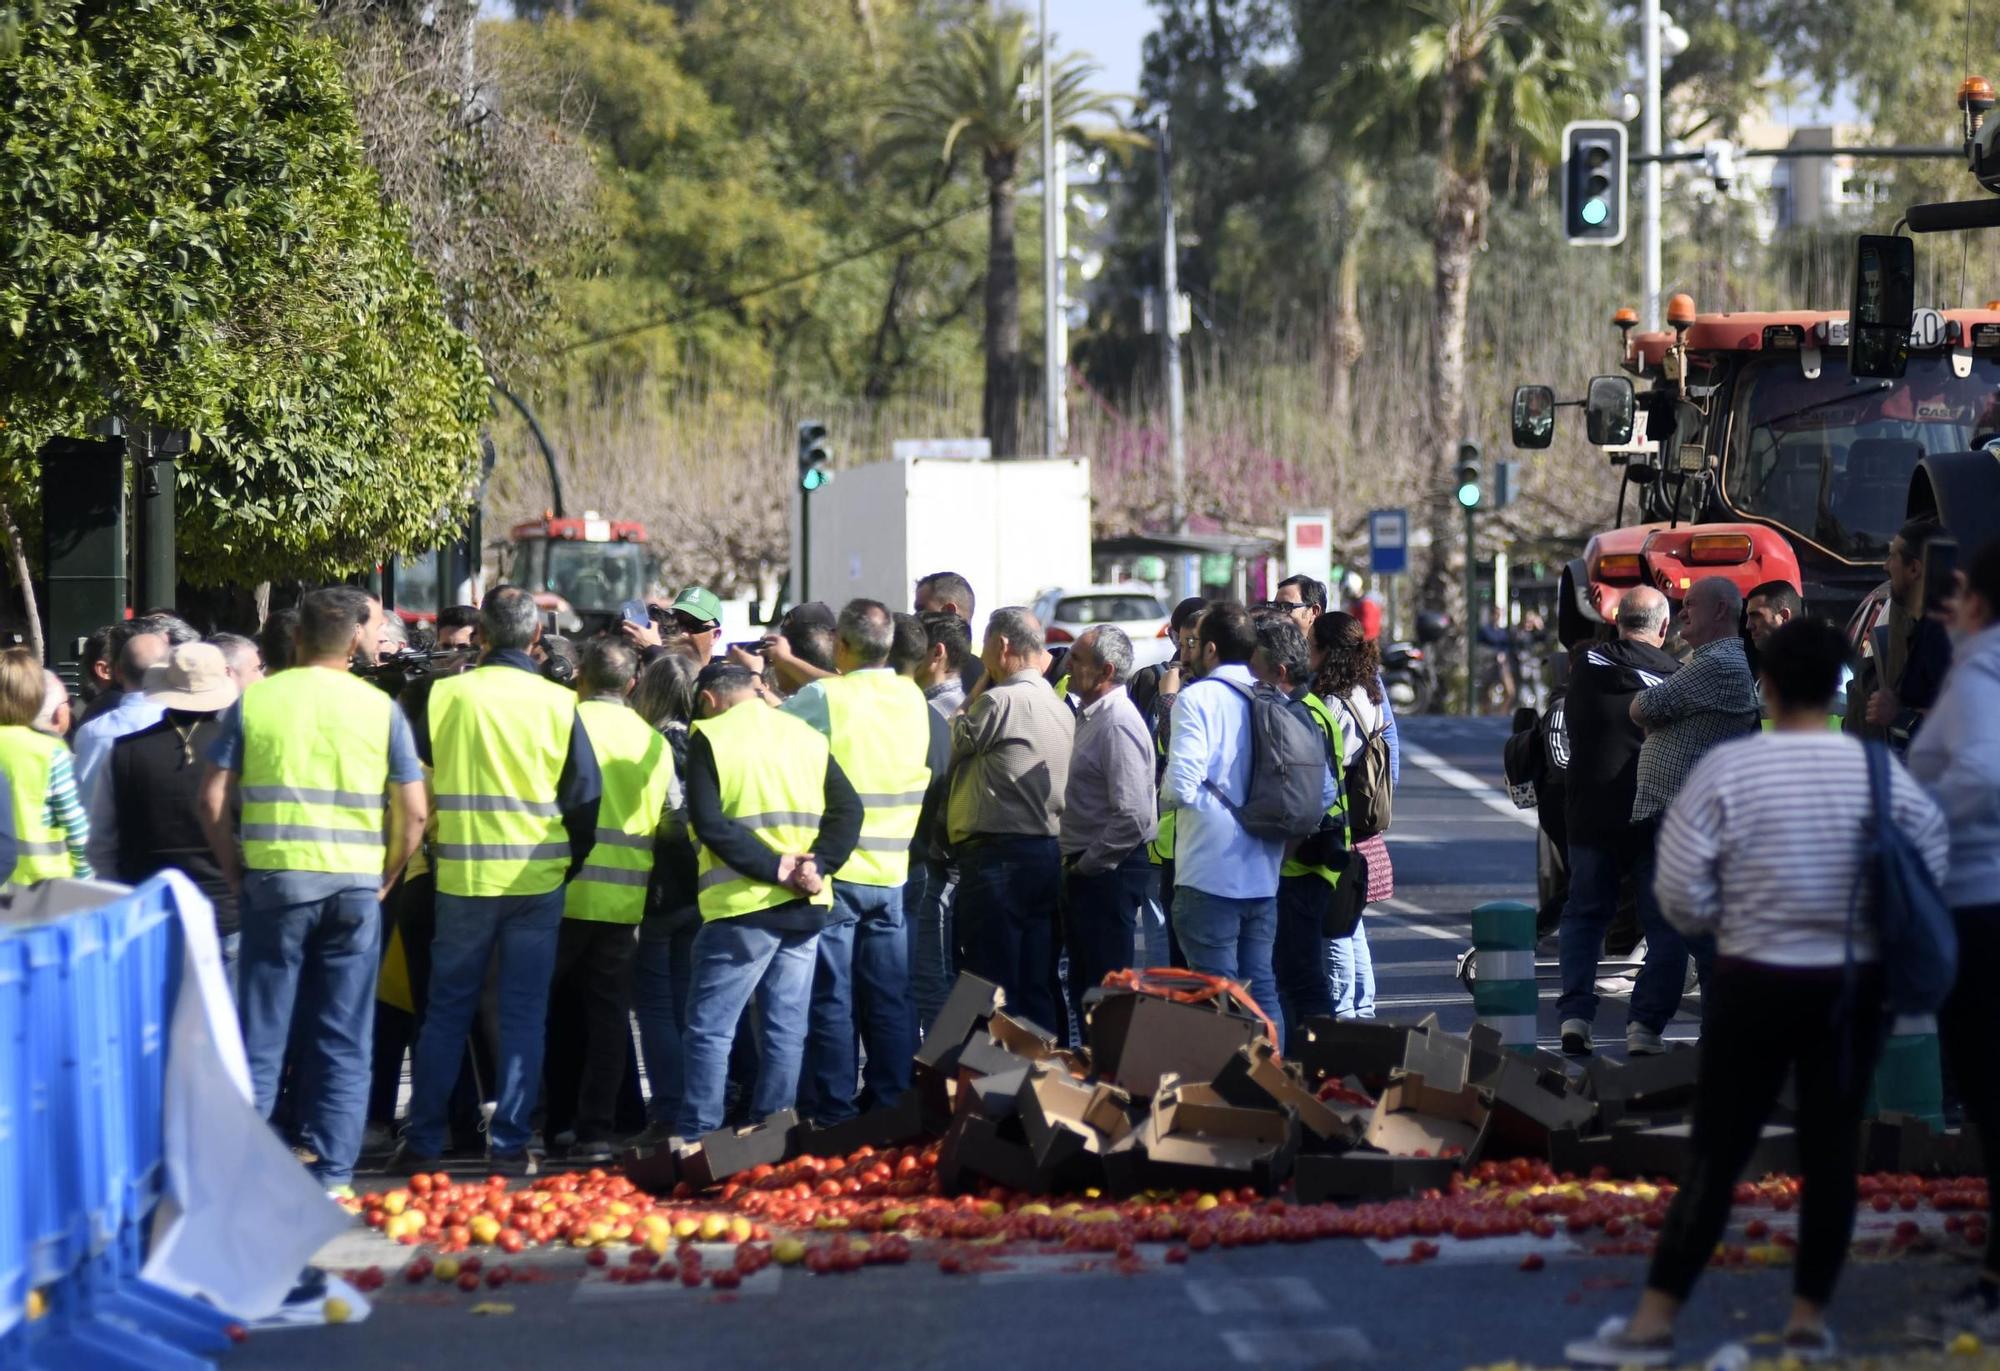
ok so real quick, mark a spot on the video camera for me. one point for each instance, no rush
(397, 672)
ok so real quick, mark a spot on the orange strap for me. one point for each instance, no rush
(1184, 986)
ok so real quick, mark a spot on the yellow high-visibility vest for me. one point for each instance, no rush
(41, 849)
(315, 773)
(880, 733)
(499, 738)
(1330, 726)
(638, 778)
(771, 770)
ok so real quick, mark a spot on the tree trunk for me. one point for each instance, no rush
(19, 555)
(1455, 237)
(1349, 339)
(1002, 405)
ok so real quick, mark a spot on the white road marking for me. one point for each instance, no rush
(1029, 1266)
(1258, 1295)
(1486, 794)
(1509, 1248)
(1294, 1346)
(595, 1289)
(1396, 906)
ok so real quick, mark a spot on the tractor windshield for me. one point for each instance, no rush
(596, 577)
(1830, 459)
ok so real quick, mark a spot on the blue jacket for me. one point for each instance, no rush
(1956, 757)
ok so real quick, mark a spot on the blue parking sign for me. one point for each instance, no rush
(1388, 541)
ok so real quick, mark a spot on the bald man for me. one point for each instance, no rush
(1604, 844)
(1710, 700)
(135, 710)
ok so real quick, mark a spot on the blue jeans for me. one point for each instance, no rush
(320, 957)
(1594, 875)
(525, 928)
(927, 901)
(1154, 948)
(1101, 913)
(660, 979)
(1350, 969)
(232, 956)
(1299, 958)
(1005, 921)
(1656, 994)
(732, 963)
(1232, 938)
(882, 1006)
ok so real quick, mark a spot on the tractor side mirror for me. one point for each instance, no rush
(1534, 417)
(1608, 410)
(1885, 306)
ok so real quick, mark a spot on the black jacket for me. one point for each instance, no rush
(1603, 741)
(155, 782)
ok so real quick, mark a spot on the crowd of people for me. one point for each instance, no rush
(491, 853)
(1742, 796)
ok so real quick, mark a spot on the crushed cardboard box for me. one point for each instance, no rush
(1254, 1078)
(726, 1151)
(1414, 1118)
(1135, 1039)
(1194, 1139)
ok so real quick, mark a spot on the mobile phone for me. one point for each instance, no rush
(549, 622)
(1940, 572)
(635, 612)
(754, 646)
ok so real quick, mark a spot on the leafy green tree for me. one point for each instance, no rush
(196, 242)
(969, 98)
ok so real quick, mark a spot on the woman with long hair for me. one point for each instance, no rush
(1347, 674)
(664, 698)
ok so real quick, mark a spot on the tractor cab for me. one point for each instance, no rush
(582, 569)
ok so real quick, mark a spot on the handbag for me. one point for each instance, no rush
(1913, 924)
(1350, 896)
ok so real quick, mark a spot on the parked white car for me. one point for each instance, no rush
(1130, 605)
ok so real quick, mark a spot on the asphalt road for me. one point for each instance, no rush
(1456, 842)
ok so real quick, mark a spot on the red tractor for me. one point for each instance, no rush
(582, 569)
(1754, 454)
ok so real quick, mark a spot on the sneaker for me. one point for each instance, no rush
(1974, 1310)
(1612, 1346)
(1576, 1038)
(526, 1162)
(340, 1192)
(378, 1138)
(1641, 1041)
(654, 1136)
(406, 1161)
(590, 1151)
(304, 1155)
(1813, 1346)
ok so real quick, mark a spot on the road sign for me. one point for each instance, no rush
(1309, 544)
(1388, 541)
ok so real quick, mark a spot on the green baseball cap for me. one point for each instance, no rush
(698, 603)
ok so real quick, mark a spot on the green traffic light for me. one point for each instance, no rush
(1595, 212)
(813, 478)
(1468, 494)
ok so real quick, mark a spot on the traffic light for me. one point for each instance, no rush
(1594, 183)
(814, 454)
(1468, 475)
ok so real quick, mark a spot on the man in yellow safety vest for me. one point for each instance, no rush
(602, 909)
(892, 747)
(775, 817)
(518, 789)
(332, 796)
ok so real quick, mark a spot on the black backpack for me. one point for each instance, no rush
(1286, 799)
(1371, 789)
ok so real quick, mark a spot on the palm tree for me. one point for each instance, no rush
(974, 98)
(1465, 81)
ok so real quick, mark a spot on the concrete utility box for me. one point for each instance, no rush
(1011, 528)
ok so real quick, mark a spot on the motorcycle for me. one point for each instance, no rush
(1409, 671)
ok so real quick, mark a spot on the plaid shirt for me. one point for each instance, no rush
(1710, 700)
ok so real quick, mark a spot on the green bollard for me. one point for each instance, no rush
(1503, 979)
(1909, 1079)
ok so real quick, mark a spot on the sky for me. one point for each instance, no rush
(1111, 31)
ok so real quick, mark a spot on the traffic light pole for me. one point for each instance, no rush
(1471, 613)
(805, 547)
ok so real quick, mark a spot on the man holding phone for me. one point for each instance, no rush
(1907, 656)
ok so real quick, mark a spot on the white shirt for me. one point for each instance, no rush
(135, 710)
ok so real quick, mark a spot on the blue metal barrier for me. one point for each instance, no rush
(85, 1005)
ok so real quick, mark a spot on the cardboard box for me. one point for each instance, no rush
(982, 1056)
(1021, 1037)
(1528, 1106)
(966, 1009)
(1367, 1049)
(1361, 1175)
(893, 1126)
(1578, 1153)
(1193, 1139)
(996, 1097)
(1646, 1084)
(1648, 1152)
(975, 1153)
(1255, 1079)
(1064, 1118)
(654, 1170)
(1135, 1039)
(726, 1151)
(1413, 1117)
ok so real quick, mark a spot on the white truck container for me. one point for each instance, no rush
(1011, 528)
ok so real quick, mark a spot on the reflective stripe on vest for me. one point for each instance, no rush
(638, 778)
(40, 850)
(1337, 745)
(771, 771)
(880, 732)
(499, 739)
(315, 769)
